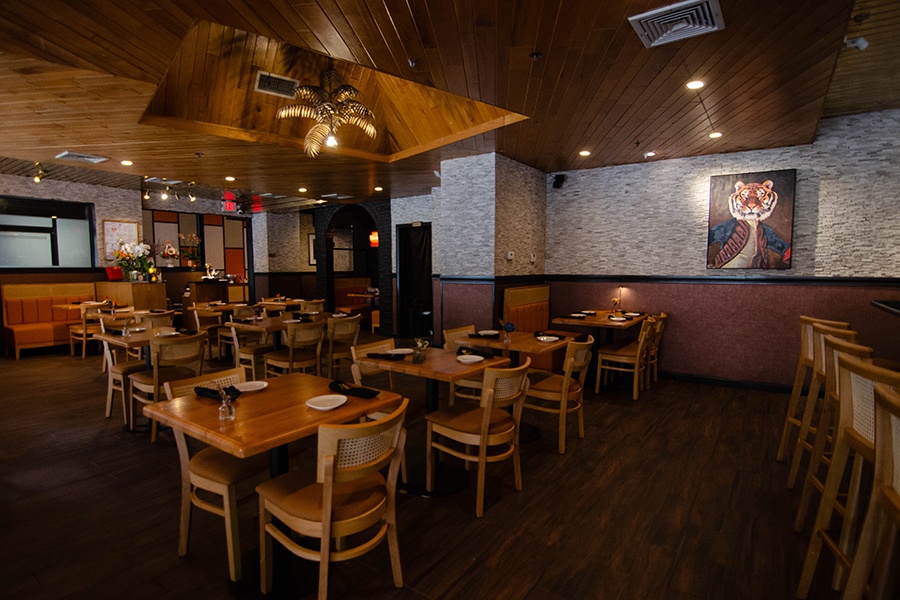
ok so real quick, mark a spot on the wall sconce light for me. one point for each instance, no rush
(373, 239)
(165, 194)
(146, 194)
(40, 173)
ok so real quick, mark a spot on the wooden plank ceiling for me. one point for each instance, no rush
(165, 84)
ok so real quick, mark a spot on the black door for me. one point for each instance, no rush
(414, 301)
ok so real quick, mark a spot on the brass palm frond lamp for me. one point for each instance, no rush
(331, 104)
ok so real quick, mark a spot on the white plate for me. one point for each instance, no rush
(400, 351)
(469, 358)
(338, 315)
(291, 321)
(252, 386)
(168, 333)
(136, 329)
(576, 315)
(632, 314)
(547, 338)
(589, 312)
(488, 332)
(326, 402)
(617, 319)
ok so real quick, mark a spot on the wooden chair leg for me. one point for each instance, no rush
(790, 419)
(850, 525)
(265, 549)
(799, 448)
(581, 418)
(823, 517)
(429, 458)
(232, 533)
(864, 558)
(479, 489)
(109, 394)
(815, 461)
(562, 427)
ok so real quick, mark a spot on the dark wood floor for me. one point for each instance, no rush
(677, 496)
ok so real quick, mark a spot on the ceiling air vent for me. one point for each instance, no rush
(276, 85)
(78, 157)
(678, 22)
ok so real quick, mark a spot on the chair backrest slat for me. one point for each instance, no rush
(216, 381)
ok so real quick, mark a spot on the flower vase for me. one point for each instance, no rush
(170, 263)
(418, 356)
(136, 276)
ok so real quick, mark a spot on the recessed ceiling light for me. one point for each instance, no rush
(695, 85)
(302, 190)
(127, 163)
(378, 188)
(649, 154)
(229, 178)
(584, 153)
(715, 134)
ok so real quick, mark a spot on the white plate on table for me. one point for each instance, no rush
(168, 333)
(632, 314)
(326, 402)
(578, 315)
(292, 321)
(589, 312)
(136, 329)
(339, 315)
(547, 338)
(400, 351)
(488, 332)
(251, 386)
(617, 318)
(469, 358)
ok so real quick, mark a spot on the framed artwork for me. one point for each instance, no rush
(113, 231)
(751, 219)
(312, 248)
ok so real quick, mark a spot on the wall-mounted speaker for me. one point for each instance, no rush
(558, 181)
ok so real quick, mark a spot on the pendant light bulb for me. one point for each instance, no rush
(40, 174)
(165, 194)
(331, 142)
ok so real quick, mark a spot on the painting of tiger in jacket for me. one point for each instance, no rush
(745, 241)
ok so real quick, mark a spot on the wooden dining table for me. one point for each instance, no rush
(519, 342)
(266, 420)
(600, 320)
(282, 305)
(273, 325)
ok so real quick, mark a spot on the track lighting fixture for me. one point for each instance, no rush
(40, 172)
(165, 194)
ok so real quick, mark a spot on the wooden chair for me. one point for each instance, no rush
(363, 370)
(812, 406)
(820, 455)
(83, 332)
(117, 370)
(302, 349)
(562, 394)
(350, 496)
(249, 353)
(653, 342)
(169, 357)
(804, 366)
(157, 319)
(212, 471)
(376, 319)
(467, 389)
(855, 432)
(343, 334)
(488, 426)
(878, 539)
(117, 324)
(209, 322)
(626, 357)
(312, 305)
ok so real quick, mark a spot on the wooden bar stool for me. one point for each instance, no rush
(804, 364)
(807, 429)
(855, 432)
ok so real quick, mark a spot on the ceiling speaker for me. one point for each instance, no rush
(558, 181)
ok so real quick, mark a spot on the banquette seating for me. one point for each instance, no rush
(528, 308)
(34, 315)
(351, 305)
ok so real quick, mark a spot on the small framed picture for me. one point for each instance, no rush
(116, 231)
(312, 248)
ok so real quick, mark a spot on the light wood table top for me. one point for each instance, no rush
(601, 319)
(138, 337)
(286, 304)
(266, 419)
(440, 365)
(520, 341)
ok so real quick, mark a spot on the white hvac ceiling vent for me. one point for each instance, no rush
(78, 157)
(678, 22)
(275, 85)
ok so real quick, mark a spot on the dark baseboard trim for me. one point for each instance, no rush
(745, 385)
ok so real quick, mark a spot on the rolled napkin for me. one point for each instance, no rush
(542, 333)
(206, 392)
(386, 356)
(485, 336)
(345, 388)
(463, 350)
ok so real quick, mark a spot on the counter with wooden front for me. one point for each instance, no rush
(139, 294)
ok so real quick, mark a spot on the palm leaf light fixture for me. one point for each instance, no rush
(332, 104)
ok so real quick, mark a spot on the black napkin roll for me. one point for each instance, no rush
(386, 356)
(359, 392)
(463, 350)
(485, 336)
(206, 392)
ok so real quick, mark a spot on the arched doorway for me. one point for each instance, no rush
(351, 259)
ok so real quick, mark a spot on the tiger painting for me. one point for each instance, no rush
(744, 240)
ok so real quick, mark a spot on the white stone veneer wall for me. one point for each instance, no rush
(465, 212)
(651, 219)
(521, 218)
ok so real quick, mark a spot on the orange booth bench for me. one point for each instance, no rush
(33, 315)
